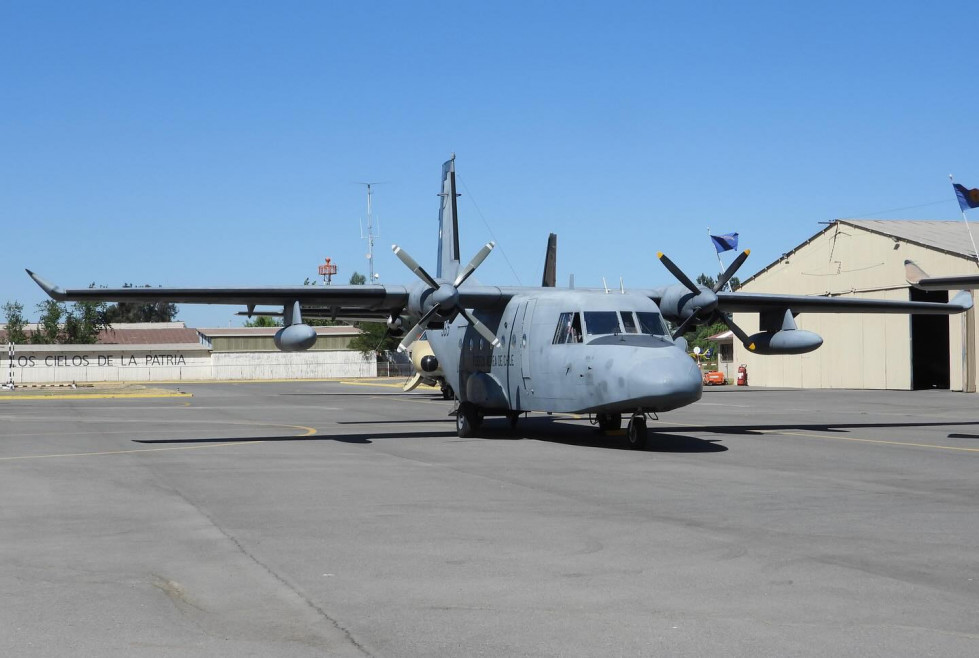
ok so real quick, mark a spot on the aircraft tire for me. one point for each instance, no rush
(512, 418)
(468, 420)
(636, 433)
(447, 392)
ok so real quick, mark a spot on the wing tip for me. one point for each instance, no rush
(912, 273)
(52, 291)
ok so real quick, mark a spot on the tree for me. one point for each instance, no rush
(264, 321)
(48, 330)
(84, 321)
(140, 312)
(709, 281)
(374, 338)
(14, 313)
(357, 279)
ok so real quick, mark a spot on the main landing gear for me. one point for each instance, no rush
(609, 422)
(468, 420)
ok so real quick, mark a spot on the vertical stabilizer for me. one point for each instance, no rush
(549, 280)
(448, 261)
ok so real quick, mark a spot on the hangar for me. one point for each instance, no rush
(865, 258)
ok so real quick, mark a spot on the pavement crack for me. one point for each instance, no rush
(251, 556)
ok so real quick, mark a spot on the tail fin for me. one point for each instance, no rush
(448, 260)
(549, 280)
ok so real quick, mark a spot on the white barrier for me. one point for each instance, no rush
(62, 364)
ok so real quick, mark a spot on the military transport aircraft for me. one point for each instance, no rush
(510, 350)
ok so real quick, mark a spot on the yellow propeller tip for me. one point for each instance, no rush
(659, 254)
(747, 251)
(752, 347)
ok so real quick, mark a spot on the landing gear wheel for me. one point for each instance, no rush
(512, 417)
(636, 433)
(447, 392)
(468, 420)
(609, 422)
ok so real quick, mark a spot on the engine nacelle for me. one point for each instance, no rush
(295, 338)
(678, 303)
(793, 341)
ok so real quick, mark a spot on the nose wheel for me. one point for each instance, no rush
(636, 432)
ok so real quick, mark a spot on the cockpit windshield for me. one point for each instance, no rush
(651, 323)
(602, 322)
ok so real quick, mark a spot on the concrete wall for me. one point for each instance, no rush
(859, 350)
(43, 364)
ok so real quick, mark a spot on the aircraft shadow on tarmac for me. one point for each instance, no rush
(662, 438)
(535, 428)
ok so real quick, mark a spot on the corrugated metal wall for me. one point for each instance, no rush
(859, 350)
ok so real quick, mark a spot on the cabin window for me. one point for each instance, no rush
(602, 322)
(651, 323)
(568, 329)
(629, 322)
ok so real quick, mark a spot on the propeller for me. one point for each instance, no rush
(704, 302)
(445, 297)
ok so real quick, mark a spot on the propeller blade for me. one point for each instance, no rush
(414, 266)
(729, 272)
(417, 330)
(738, 331)
(483, 330)
(683, 325)
(474, 263)
(678, 273)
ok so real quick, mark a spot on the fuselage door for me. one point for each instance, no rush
(521, 338)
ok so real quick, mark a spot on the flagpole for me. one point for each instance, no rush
(975, 252)
(720, 263)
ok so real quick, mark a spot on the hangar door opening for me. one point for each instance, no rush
(930, 360)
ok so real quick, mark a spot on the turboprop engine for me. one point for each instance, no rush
(294, 336)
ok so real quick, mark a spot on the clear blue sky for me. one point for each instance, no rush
(216, 143)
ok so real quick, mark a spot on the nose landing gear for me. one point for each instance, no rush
(636, 432)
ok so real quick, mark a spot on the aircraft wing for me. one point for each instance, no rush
(346, 301)
(919, 279)
(746, 302)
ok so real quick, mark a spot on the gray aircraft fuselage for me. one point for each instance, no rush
(619, 358)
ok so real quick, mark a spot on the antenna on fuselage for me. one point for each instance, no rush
(604, 285)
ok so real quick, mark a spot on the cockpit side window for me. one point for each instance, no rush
(568, 329)
(602, 322)
(629, 322)
(651, 323)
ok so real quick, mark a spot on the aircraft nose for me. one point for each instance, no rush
(667, 382)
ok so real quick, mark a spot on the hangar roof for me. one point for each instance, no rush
(951, 237)
(948, 236)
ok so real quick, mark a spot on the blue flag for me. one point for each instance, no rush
(726, 242)
(967, 198)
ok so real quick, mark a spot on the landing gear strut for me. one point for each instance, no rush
(447, 392)
(635, 434)
(609, 422)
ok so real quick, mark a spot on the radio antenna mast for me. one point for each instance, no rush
(370, 235)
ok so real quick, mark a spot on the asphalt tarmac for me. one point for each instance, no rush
(311, 519)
